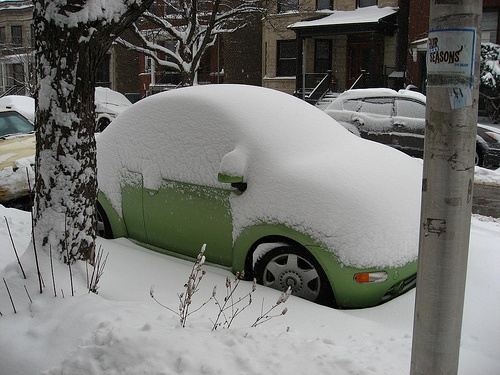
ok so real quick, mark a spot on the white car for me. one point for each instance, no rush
(397, 119)
(108, 105)
(272, 185)
(25, 105)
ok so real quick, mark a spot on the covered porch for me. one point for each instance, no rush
(347, 49)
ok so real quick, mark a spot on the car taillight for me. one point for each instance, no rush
(371, 277)
(493, 135)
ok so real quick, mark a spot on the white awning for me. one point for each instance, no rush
(372, 14)
(417, 46)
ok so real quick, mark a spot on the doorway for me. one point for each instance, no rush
(365, 52)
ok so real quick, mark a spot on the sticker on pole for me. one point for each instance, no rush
(450, 57)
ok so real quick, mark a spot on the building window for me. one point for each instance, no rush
(2, 35)
(489, 25)
(204, 6)
(17, 35)
(148, 63)
(102, 77)
(17, 74)
(324, 4)
(365, 3)
(287, 58)
(322, 55)
(287, 5)
(32, 35)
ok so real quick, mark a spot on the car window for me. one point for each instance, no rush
(410, 108)
(14, 123)
(377, 106)
(352, 105)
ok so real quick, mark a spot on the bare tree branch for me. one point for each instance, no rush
(193, 29)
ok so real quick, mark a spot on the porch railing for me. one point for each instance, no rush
(316, 85)
(13, 90)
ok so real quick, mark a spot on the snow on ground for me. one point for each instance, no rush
(123, 331)
(485, 176)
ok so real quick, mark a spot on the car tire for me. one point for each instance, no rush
(103, 226)
(102, 124)
(478, 160)
(293, 266)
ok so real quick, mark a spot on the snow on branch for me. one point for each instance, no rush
(72, 13)
(179, 34)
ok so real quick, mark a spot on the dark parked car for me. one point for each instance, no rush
(397, 119)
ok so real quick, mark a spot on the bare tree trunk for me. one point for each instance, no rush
(66, 184)
(68, 50)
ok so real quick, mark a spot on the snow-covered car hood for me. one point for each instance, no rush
(17, 160)
(304, 170)
(14, 148)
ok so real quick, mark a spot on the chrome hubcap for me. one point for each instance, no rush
(291, 270)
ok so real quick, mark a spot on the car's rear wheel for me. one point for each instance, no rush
(478, 160)
(103, 226)
(102, 124)
(289, 266)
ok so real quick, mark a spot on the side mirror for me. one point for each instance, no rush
(229, 179)
(232, 169)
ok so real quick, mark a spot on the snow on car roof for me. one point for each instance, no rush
(25, 105)
(359, 198)
(372, 93)
(106, 95)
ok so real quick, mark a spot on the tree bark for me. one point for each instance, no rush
(68, 49)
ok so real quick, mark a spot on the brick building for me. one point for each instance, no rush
(236, 58)
(16, 41)
(417, 37)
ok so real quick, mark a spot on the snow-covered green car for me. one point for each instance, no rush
(272, 185)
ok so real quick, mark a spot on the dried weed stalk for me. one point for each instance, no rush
(99, 262)
(229, 308)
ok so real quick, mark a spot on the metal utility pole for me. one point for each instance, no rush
(450, 140)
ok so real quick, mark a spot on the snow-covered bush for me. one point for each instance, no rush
(490, 77)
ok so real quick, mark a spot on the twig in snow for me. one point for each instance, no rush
(229, 308)
(10, 296)
(33, 237)
(14, 247)
(98, 271)
(70, 274)
(52, 271)
(194, 280)
(67, 253)
(231, 304)
(26, 289)
(192, 284)
(264, 317)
